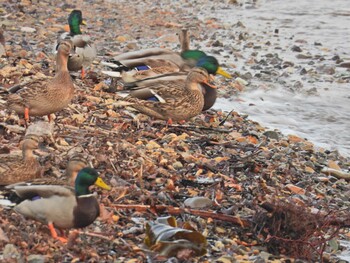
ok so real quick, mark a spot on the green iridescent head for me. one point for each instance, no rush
(87, 177)
(75, 19)
(211, 64)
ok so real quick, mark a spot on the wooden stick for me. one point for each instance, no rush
(178, 210)
(95, 234)
(336, 173)
(195, 127)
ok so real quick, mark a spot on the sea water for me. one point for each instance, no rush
(322, 117)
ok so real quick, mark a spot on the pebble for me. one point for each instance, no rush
(177, 165)
(10, 253)
(303, 56)
(295, 189)
(35, 259)
(28, 29)
(271, 135)
(296, 48)
(344, 65)
(198, 202)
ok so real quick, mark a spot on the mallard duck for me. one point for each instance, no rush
(207, 62)
(62, 206)
(85, 50)
(43, 97)
(173, 100)
(75, 164)
(27, 168)
(152, 62)
(2, 41)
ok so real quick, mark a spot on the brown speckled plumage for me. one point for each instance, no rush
(75, 164)
(43, 97)
(24, 169)
(179, 100)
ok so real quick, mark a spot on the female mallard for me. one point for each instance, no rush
(75, 164)
(43, 97)
(173, 100)
(85, 50)
(28, 168)
(208, 62)
(61, 206)
(2, 41)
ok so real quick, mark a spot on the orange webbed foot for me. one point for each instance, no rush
(54, 234)
(169, 122)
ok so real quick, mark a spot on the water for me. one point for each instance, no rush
(319, 110)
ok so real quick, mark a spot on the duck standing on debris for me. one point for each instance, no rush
(149, 66)
(173, 100)
(62, 206)
(85, 50)
(43, 97)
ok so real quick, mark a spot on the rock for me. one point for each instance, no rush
(295, 189)
(10, 252)
(326, 69)
(152, 145)
(303, 56)
(177, 165)
(28, 29)
(294, 139)
(344, 65)
(309, 170)
(121, 39)
(198, 202)
(35, 259)
(132, 46)
(296, 48)
(271, 135)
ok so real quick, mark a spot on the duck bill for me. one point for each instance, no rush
(83, 23)
(223, 73)
(100, 183)
(209, 85)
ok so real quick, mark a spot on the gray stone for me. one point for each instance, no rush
(36, 259)
(11, 252)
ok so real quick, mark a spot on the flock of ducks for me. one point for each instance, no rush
(164, 84)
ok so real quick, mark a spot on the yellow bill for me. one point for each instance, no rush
(83, 23)
(223, 73)
(99, 182)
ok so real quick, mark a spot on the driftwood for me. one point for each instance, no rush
(336, 173)
(178, 210)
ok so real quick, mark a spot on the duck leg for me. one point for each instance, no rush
(169, 122)
(82, 73)
(54, 233)
(26, 116)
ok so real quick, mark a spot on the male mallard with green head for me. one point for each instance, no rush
(157, 61)
(61, 206)
(173, 100)
(143, 67)
(85, 50)
(43, 97)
